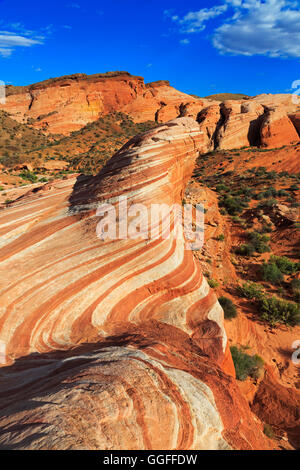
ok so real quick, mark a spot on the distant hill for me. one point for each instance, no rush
(86, 150)
(18, 139)
(228, 96)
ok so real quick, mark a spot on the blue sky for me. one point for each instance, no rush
(202, 47)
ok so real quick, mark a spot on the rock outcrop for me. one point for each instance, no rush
(295, 118)
(150, 345)
(240, 126)
(68, 103)
(277, 129)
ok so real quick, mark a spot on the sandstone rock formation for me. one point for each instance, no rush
(277, 129)
(151, 349)
(295, 118)
(68, 103)
(210, 120)
(240, 126)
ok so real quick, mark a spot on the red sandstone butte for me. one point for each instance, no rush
(65, 104)
(68, 103)
(116, 344)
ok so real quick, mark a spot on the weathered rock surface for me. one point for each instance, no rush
(66, 104)
(277, 129)
(155, 353)
(295, 118)
(240, 126)
(69, 103)
(279, 407)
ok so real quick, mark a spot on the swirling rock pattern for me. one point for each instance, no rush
(155, 354)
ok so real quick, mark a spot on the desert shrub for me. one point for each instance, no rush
(285, 265)
(246, 365)
(229, 308)
(277, 311)
(220, 237)
(212, 283)
(237, 219)
(266, 228)
(259, 241)
(268, 431)
(222, 187)
(295, 286)
(29, 176)
(282, 193)
(245, 250)
(233, 205)
(270, 192)
(271, 273)
(267, 203)
(251, 290)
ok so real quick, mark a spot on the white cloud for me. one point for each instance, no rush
(194, 21)
(251, 27)
(5, 51)
(10, 40)
(184, 41)
(270, 27)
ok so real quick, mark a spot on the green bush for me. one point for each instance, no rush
(295, 286)
(212, 283)
(259, 241)
(222, 187)
(29, 176)
(271, 273)
(246, 365)
(266, 228)
(268, 431)
(220, 237)
(267, 203)
(251, 290)
(245, 250)
(277, 311)
(233, 205)
(285, 265)
(229, 308)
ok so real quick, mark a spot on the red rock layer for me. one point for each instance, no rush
(66, 104)
(295, 118)
(241, 124)
(277, 129)
(160, 357)
(279, 407)
(69, 103)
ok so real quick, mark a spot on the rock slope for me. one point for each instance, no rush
(109, 341)
(66, 104)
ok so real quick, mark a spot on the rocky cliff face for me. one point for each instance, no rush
(150, 346)
(67, 104)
